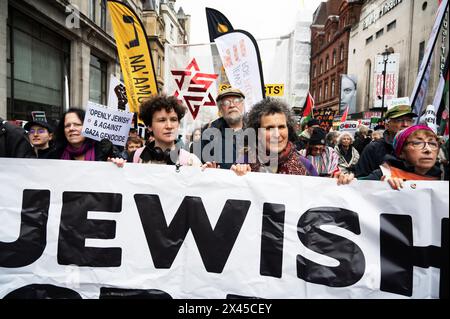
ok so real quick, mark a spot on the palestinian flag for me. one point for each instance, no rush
(308, 108)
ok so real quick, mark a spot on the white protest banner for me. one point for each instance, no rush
(242, 62)
(117, 98)
(349, 126)
(212, 234)
(391, 84)
(101, 122)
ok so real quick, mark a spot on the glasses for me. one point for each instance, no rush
(235, 101)
(420, 145)
(38, 131)
(69, 125)
(407, 121)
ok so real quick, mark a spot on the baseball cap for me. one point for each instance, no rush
(44, 124)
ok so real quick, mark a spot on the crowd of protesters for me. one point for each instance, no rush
(401, 152)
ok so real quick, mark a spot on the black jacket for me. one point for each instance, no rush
(14, 142)
(376, 175)
(373, 156)
(224, 160)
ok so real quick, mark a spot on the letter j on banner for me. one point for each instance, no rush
(134, 54)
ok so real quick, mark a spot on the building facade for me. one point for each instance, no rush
(404, 26)
(61, 53)
(330, 34)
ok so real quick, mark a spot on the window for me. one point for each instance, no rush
(334, 57)
(92, 5)
(159, 70)
(421, 51)
(321, 67)
(35, 82)
(369, 39)
(333, 87)
(326, 91)
(379, 33)
(391, 25)
(314, 70)
(103, 15)
(342, 54)
(97, 80)
(327, 63)
(320, 93)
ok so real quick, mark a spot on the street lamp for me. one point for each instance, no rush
(387, 51)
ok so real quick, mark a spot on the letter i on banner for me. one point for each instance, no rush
(134, 54)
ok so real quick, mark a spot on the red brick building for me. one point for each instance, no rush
(330, 34)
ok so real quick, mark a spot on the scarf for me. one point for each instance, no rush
(288, 163)
(87, 149)
(325, 163)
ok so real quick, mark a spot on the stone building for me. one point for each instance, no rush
(60, 53)
(404, 26)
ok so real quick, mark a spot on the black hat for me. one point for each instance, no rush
(313, 122)
(317, 137)
(44, 124)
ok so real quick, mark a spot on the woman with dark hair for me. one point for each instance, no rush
(162, 115)
(273, 124)
(72, 145)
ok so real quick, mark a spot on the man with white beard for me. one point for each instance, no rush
(222, 139)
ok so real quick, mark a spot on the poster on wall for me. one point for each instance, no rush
(391, 85)
(348, 93)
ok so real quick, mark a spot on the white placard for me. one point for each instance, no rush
(101, 122)
(117, 98)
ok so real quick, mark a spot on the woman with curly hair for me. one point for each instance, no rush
(162, 115)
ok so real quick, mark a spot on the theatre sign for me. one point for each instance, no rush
(380, 11)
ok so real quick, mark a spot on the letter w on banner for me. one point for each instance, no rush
(242, 62)
(134, 54)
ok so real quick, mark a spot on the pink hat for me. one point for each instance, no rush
(401, 137)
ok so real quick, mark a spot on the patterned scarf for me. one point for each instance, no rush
(325, 163)
(288, 163)
(87, 149)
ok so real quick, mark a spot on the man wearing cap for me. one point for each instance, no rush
(397, 118)
(216, 143)
(13, 141)
(40, 134)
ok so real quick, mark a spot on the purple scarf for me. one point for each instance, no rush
(87, 149)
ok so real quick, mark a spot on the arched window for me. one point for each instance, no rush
(314, 70)
(334, 57)
(326, 91)
(321, 67)
(341, 56)
(327, 63)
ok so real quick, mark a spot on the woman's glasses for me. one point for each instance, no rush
(420, 145)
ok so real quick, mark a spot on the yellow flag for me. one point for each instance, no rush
(134, 54)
